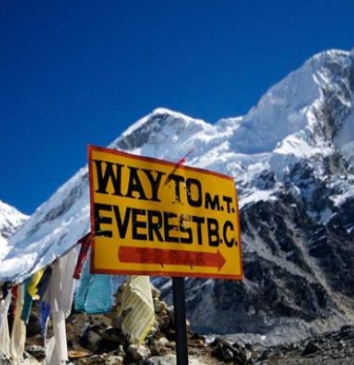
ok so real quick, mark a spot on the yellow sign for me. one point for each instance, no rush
(153, 217)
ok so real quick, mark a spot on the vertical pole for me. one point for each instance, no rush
(180, 321)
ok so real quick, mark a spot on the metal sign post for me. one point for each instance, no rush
(180, 320)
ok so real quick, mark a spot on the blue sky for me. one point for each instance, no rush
(74, 72)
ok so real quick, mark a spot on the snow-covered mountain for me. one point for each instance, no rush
(10, 220)
(292, 157)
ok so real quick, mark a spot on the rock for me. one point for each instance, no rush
(161, 360)
(196, 343)
(220, 342)
(94, 360)
(4, 360)
(120, 351)
(158, 346)
(171, 344)
(264, 356)
(138, 352)
(171, 317)
(160, 306)
(347, 331)
(227, 355)
(225, 351)
(114, 360)
(156, 293)
(93, 340)
(114, 337)
(158, 351)
(31, 361)
(310, 349)
(163, 322)
(162, 341)
(38, 352)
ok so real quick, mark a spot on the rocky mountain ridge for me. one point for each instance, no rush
(292, 159)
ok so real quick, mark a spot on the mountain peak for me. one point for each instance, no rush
(163, 133)
(292, 117)
(330, 54)
(10, 219)
(159, 114)
(169, 112)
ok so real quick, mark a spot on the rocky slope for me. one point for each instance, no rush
(292, 159)
(98, 339)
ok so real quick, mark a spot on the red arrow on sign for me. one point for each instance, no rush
(140, 255)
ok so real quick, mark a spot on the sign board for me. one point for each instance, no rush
(153, 217)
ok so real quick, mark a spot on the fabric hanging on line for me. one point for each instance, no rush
(59, 295)
(4, 325)
(18, 334)
(15, 292)
(85, 246)
(44, 312)
(30, 294)
(82, 289)
(33, 284)
(4, 290)
(60, 337)
(4, 307)
(44, 282)
(56, 347)
(27, 304)
(44, 308)
(50, 358)
(94, 293)
(137, 309)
